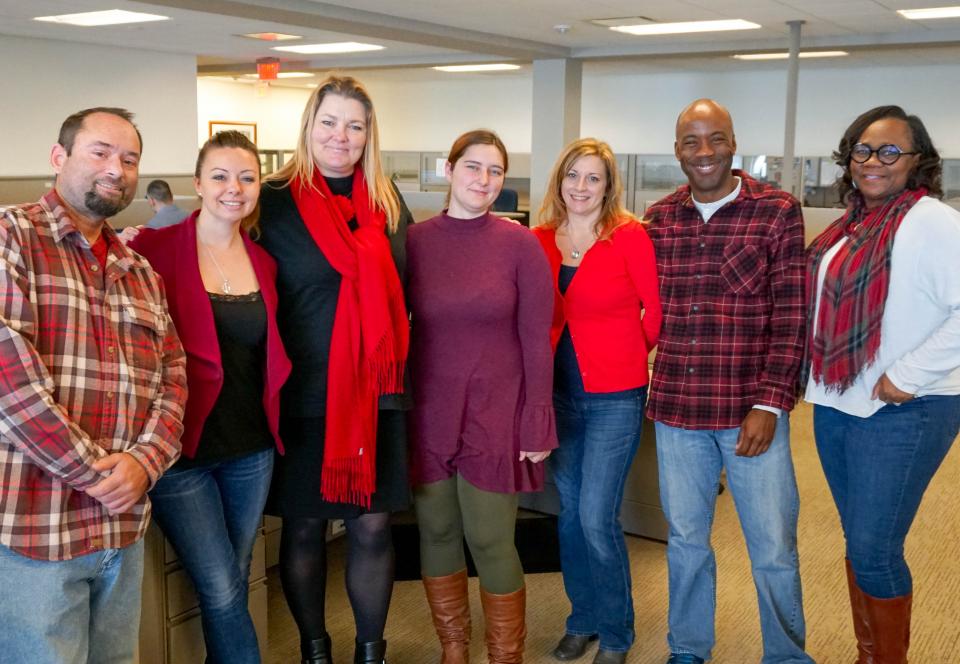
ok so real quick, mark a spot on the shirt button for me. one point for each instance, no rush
(691, 370)
(693, 342)
(109, 395)
(703, 244)
(94, 268)
(697, 276)
(696, 307)
(110, 350)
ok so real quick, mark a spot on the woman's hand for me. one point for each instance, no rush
(889, 393)
(534, 457)
(127, 234)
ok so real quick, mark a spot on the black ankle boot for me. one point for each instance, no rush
(370, 652)
(316, 651)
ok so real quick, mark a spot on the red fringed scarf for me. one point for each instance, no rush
(370, 332)
(854, 289)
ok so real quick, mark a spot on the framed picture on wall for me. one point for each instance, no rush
(249, 129)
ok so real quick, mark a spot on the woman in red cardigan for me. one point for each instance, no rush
(221, 294)
(606, 321)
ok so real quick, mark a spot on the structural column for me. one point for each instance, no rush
(555, 120)
(789, 176)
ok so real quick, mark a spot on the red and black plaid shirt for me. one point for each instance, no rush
(732, 292)
(90, 364)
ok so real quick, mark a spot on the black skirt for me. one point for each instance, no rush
(295, 491)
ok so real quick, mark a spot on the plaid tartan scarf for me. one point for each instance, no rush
(854, 291)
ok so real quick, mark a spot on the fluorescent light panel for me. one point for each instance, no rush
(648, 29)
(271, 36)
(107, 17)
(930, 13)
(333, 47)
(500, 66)
(784, 56)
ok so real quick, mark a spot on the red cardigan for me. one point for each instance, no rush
(172, 252)
(615, 283)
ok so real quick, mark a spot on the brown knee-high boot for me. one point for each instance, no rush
(889, 621)
(450, 608)
(506, 626)
(861, 628)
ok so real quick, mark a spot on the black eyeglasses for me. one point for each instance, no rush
(887, 154)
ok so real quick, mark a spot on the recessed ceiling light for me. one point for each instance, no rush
(334, 47)
(285, 74)
(271, 36)
(500, 66)
(108, 17)
(932, 12)
(685, 26)
(784, 56)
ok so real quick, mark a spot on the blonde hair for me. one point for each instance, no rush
(553, 211)
(302, 164)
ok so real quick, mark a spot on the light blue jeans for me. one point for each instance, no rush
(211, 514)
(764, 491)
(599, 437)
(80, 611)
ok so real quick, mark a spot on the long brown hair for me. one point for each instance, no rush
(232, 139)
(302, 164)
(553, 211)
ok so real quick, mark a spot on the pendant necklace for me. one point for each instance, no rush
(225, 287)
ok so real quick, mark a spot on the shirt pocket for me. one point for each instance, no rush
(143, 329)
(744, 268)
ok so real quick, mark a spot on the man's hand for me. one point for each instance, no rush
(756, 433)
(123, 487)
(889, 393)
(534, 457)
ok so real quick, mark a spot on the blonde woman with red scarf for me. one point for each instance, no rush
(883, 360)
(337, 228)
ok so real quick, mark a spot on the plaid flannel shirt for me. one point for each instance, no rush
(90, 364)
(732, 292)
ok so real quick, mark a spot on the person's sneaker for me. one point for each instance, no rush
(572, 646)
(684, 658)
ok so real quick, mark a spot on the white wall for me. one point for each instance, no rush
(45, 81)
(636, 113)
(277, 113)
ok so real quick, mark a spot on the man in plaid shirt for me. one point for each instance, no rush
(730, 259)
(92, 389)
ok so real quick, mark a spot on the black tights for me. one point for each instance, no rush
(303, 573)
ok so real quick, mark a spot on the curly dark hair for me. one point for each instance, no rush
(929, 170)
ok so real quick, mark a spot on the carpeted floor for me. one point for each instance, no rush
(932, 550)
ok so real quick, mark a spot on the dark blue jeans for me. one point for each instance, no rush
(599, 437)
(211, 515)
(878, 468)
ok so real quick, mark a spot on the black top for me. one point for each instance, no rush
(307, 287)
(566, 368)
(237, 425)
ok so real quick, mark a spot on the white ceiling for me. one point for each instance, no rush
(417, 33)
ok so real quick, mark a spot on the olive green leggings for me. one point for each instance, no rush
(448, 511)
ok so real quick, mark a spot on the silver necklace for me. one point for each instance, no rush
(225, 286)
(575, 253)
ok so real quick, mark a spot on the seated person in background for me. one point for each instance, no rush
(166, 213)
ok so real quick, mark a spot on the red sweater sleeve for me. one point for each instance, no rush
(642, 268)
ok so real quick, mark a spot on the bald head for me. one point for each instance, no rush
(705, 147)
(705, 109)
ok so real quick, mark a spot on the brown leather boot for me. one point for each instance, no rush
(450, 608)
(506, 626)
(861, 628)
(889, 621)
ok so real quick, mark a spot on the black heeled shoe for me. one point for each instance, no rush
(316, 651)
(369, 652)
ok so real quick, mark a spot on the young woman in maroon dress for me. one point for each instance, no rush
(482, 300)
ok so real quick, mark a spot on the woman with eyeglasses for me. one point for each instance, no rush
(883, 359)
